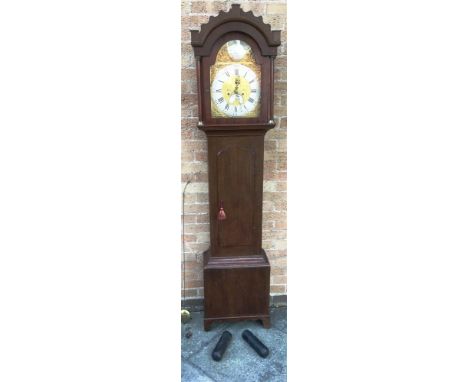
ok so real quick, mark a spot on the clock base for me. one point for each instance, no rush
(236, 288)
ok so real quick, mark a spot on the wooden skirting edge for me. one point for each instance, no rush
(196, 304)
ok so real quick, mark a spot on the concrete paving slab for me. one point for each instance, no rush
(278, 319)
(199, 339)
(191, 373)
(240, 362)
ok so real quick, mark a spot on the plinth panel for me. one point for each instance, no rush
(237, 289)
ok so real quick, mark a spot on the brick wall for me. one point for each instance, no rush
(194, 150)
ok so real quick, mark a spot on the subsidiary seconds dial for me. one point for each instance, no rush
(235, 90)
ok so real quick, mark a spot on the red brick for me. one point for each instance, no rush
(276, 134)
(188, 74)
(268, 225)
(284, 122)
(274, 216)
(189, 219)
(185, 7)
(278, 271)
(199, 7)
(279, 280)
(196, 209)
(281, 62)
(189, 293)
(281, 186)
(270, 145)
(279, 289)
(192, 274)
(194, 228)
(268, 206)
(190, 199)
(189, 123)
(280, 224)
(203, 218)
(202, 198)
(186, 134)
(280, 74)
(197, 247)
(277, 253)
(276, 8)
(281, 176)
(188, 58)
(190, 238)
(276, 21)
(274, 234)
(189, 256)
(197, 177)
(198, 134)
(278, 262)
(193, 22)
(282, 145)
(191, 266)
(281, 86)
(203, 237)
(187, 156)
(217, 6)
(273, 196)
(280, 205)
(185, 35)
(188, 87)
(284, 100)
(257, 8)
(281, 165)
(194, 284)
(195, 145)
(280, 111)
(194, 167)
(201, 156)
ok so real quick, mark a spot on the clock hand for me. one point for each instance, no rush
(236, 89)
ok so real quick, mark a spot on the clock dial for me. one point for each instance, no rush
(235, 90)
(235, 82)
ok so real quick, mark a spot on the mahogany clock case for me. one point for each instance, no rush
(236, 270)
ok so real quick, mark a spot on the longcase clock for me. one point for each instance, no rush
(235, 52)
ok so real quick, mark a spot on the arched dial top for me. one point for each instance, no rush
(235, 82)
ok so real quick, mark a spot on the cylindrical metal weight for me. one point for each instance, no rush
(221, 346)
(255, 343)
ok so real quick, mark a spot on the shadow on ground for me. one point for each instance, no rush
(240, 362)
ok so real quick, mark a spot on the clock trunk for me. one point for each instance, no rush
(235, 170)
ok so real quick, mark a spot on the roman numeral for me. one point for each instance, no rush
(235, 109)
(236, 71)
(227, 74)
(220, 99)
(221, 81)
(251, 81)
(218, 90)
(245, 74)
(254, 90)
(227, 107)
(251, 99)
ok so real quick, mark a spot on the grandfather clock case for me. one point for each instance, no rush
(234, 54)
